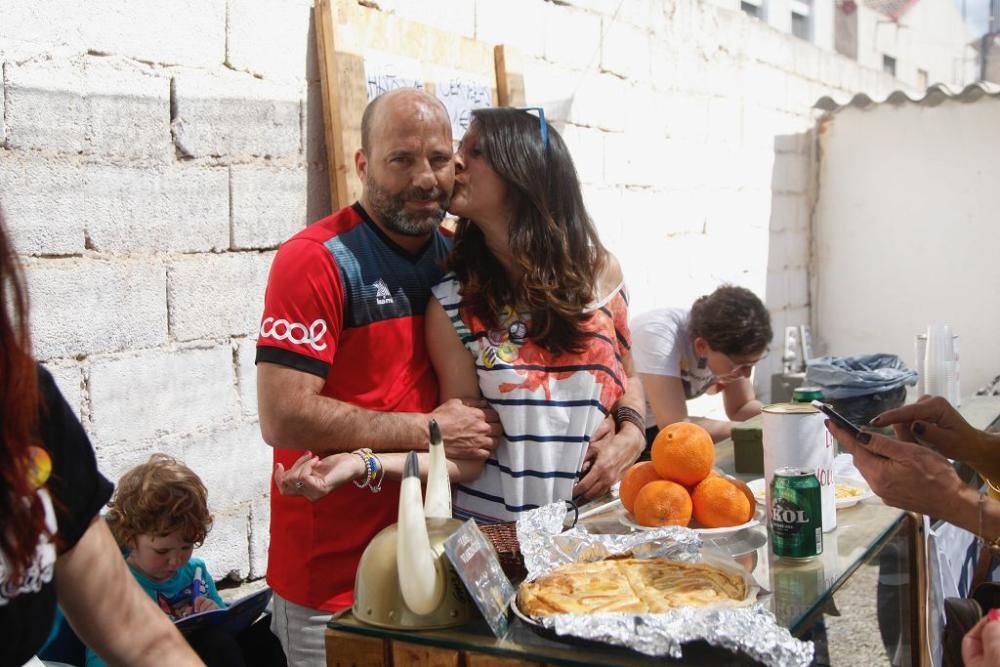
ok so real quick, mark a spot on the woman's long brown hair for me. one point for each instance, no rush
(22, 516)
(552, 238)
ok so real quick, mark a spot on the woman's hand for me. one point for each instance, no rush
(981, 646)
(314, 477)
(911, 477)
(934, 421)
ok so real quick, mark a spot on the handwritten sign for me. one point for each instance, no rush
(384, 72)
(460, 96)
(476, 562)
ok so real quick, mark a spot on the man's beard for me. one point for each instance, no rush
(390, 209)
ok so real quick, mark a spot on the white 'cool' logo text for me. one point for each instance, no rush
(295, 333)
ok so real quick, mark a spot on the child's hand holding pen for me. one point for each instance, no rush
(199, 602)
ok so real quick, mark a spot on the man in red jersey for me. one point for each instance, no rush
(342, 363)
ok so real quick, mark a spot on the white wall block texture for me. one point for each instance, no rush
(268, 205)
(246, 353)
(130, 209)
(456, 16)
(517, 23)
(226, 550)
(625, 51)
(268, 37)
(81, 307)
(235, 115)
(213, 295)
(572, 37)
(646, 111)
(89, 105)
(158, 392)
(57, 206)
(586, 145)
(47, 26)
(791, 173)
(687, 117)
(788, 212)
(114, 459)
(41, 204)
(181, 32)
(69, 379)
(599, 102)
(604, 205)
(234, 463)
(260, 525)
(550, 86)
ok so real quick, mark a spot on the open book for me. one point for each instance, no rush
(235, 618)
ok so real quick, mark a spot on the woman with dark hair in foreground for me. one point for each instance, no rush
(53, 544)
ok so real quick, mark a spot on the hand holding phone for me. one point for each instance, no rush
(842, 421)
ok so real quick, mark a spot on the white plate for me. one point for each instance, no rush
(757, 487)
(627, 519)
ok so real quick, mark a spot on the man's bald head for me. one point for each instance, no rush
(405, 101)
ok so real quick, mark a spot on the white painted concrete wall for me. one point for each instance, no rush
(906, 231)
(155, 154)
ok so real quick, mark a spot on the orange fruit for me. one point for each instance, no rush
(742, 486)
(684, 453)
(662, 503)
(634, 479)
(719, 503)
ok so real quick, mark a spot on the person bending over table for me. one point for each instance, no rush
(681, 354)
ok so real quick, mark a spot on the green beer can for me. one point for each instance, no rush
(807, 394)
(795, 517)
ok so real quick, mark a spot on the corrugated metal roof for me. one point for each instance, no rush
(933, 96)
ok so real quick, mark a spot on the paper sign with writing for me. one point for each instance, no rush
(385, 72)
(461, 93)
(477, 564)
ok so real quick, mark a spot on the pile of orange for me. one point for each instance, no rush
(679, 483)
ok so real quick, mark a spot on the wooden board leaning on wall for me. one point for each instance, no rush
(363, 51)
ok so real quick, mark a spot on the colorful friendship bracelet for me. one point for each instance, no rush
(374, 474)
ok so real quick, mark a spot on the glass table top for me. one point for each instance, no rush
(799, 591)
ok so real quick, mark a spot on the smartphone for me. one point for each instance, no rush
(842, 421)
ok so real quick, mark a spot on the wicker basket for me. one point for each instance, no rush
(504, 539)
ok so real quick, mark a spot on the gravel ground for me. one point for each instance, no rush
(853, 637)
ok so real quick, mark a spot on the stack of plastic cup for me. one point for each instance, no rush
(940, 365)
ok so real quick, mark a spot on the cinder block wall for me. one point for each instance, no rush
(155, 154)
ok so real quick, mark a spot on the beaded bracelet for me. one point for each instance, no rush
(624, 413)
(375, 473)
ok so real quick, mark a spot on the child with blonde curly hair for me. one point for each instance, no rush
(158, 515)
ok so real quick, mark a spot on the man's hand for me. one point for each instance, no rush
(607, 459)
(470, 428)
